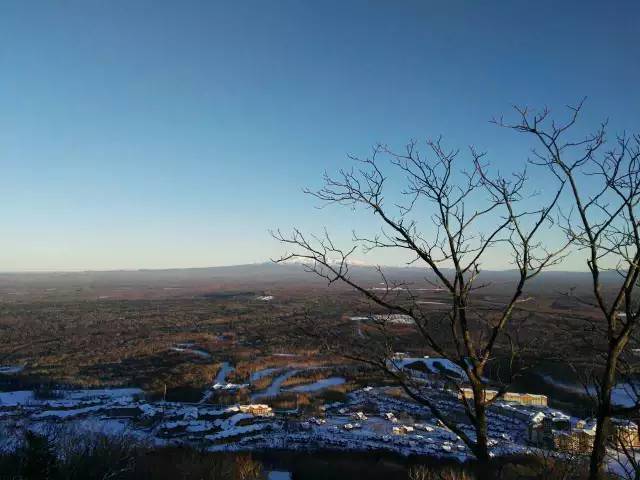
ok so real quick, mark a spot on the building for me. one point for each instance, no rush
(258, 410)
(528, 399)
(468, 394)
(624, 433)
(576, 441)
(558, 423)
(556, 431)
(542, 427)
(359, 416)
(535, 433)
(402, 430)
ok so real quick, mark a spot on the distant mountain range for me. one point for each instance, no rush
(281, 274)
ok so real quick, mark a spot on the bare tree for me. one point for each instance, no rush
(560, 466)
(469, 213)
(600, 219)
(625, 460)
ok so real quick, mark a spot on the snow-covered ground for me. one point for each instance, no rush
(11, 369)
(225, 369)
(622, 464)
(372, 418)
(274, 389)
(278, 475)
(13, 399)
(343, 426)
(220, 382)
(101, 394)
(318, 385)
(255, 376)
(191, 348)
(431, 364)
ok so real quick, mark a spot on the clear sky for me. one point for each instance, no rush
(143, 134)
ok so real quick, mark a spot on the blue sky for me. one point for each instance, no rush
(175, 134)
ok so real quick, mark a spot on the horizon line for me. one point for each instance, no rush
(268, 262)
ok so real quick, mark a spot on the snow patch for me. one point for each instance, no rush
(318, 385)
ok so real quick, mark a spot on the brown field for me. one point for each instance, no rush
(118, 328)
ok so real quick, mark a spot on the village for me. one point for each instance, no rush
(373, 418)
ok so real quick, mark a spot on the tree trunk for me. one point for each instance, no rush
(483, 469)
(597, 462)
(482, 441)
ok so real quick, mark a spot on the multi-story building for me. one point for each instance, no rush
(529, 399)
(402, 430)
(624, 433)
(258, 410)
(536, 433)
(558, 423)
(575, 441)
(468, 394)
(556, 431)
(526, 399)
